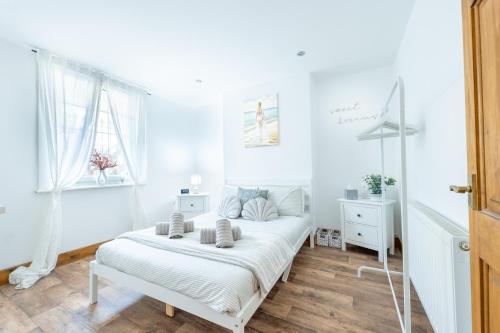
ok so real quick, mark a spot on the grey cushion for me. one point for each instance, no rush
(176, 225)
(236, 233)
(259, 209)
(209, 235)
(162, 228)
(230, 207)
(223, 234)
(246, 194)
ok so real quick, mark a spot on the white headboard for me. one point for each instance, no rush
(305, 184)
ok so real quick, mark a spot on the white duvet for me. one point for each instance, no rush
(223, 285)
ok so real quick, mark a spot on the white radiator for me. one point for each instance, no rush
(439, 269)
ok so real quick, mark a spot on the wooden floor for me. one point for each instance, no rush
(323, 295)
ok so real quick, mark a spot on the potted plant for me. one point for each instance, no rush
(102, 162)
(374, 185)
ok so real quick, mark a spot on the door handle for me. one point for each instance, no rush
(471, 190)
(461, 189)
(464, 246)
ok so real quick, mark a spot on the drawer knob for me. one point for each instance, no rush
(192, 205)
(359, 215)
(360, 234)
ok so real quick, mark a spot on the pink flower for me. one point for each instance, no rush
(102, 162)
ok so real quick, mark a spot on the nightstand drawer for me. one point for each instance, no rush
(361, 233)
(362, 215)
(192, 204)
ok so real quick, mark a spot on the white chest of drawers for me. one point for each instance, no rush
(362, 223)
(192, 205)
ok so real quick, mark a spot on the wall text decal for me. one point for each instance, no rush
(353, 113)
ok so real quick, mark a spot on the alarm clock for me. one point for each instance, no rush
(184, 191)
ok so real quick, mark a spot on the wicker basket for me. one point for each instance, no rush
(322, 237)
(335, 239)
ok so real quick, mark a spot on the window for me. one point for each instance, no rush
(76, 109)
(106, 143)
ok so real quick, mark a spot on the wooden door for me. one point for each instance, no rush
(481, 28)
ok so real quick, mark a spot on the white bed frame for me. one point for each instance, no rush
(173, 299)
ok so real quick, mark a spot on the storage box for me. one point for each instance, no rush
(329, 237)
(322, 237)
(335, 239)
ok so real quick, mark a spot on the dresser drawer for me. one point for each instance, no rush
(362, 215)
(192, 204)
(361, 233)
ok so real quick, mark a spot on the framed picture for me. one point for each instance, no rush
(261, 122)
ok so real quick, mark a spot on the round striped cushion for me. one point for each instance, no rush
(223, 234)
(176, 225)
(209, 235)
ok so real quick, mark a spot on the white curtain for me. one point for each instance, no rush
(68, 98)
(129, 119)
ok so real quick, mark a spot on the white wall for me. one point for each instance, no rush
(17, 148)
(89, 216)
(430, 60)
(209, 151)
(291, 159)
(172, 143)
(339, 159)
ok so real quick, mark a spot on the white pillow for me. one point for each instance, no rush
(229, 190)
(259, 209)
(230, 207)
(290, 200)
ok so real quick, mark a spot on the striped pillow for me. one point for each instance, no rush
(223, 234)
(176, 225)
(290, 200)
(209, 235)
(162, 228)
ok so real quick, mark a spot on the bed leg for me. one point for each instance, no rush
(92, 287)
(284, 277)
(169, 310)
(311, 240)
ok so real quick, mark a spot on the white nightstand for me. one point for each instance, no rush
(361, 224)
(192, 205)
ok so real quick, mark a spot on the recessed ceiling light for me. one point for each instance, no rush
(199, 81)
(301, 53)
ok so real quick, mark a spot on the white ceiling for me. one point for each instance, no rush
(165, 45)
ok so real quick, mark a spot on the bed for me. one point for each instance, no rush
(208, 282)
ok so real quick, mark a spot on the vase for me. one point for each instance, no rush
(102, 178)
(376, 196)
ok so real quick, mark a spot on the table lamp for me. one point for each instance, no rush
(196, 182)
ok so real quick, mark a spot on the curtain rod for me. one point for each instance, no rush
(36, 51)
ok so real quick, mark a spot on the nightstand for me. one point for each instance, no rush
(192, 205)
(362, 224)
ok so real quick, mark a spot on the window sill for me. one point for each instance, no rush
(93, 187)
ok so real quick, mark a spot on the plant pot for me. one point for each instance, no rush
(376, 196)
(102, 178)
